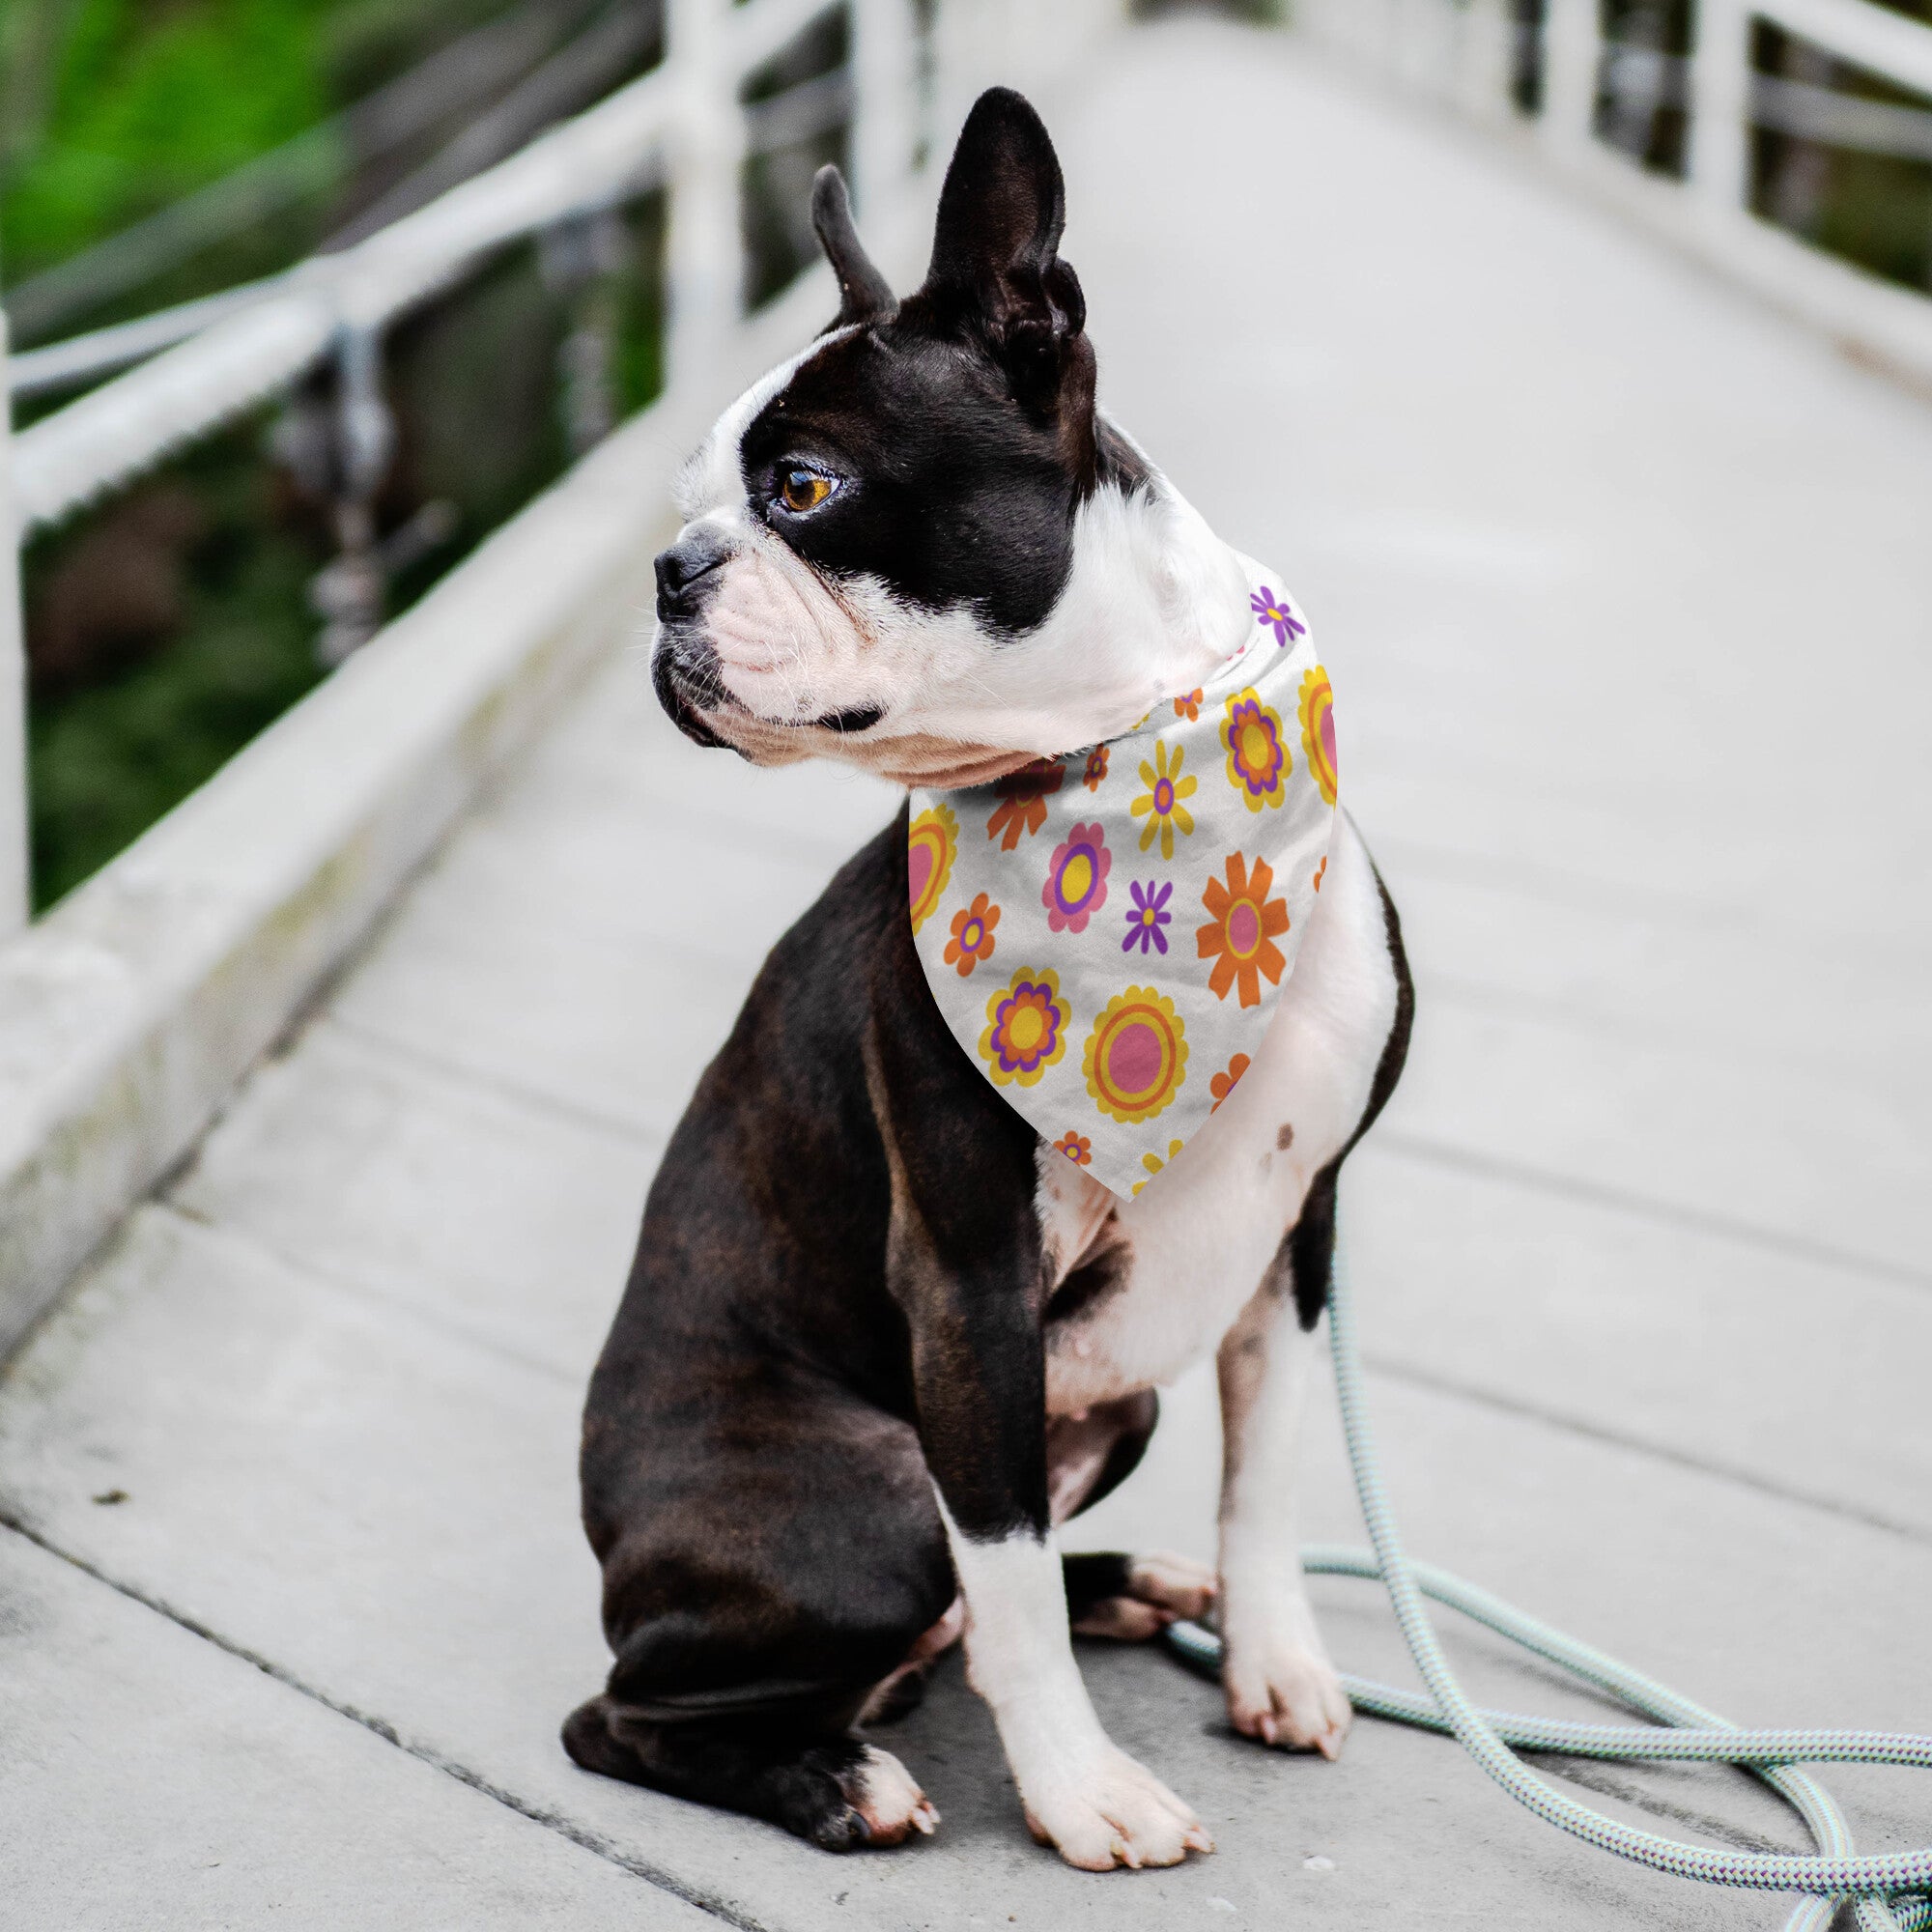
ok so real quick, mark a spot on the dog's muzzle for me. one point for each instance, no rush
(684, 666)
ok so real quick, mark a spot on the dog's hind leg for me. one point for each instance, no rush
(824, 1785)
(1130, 1599)
(759, 1581)
(1109, 1593)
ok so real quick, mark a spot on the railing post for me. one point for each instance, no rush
(703, 255)
(882, 116)
(348, 594)
(1573, 45)
(1483, 56)
(1721, 107)
(14, 899)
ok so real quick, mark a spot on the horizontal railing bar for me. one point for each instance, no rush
(796, 115)
(441, 85)
(78, 358)
(1800, 109)
(129, 423)
(575, 74)
(591, 160)
(1808, 113)
(608, 151)
(1888, 45)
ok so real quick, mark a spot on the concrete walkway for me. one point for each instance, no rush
(1626, 588)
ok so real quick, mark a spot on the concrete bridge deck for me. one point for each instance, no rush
(1626, 588)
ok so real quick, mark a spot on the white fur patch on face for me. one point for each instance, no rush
(1154, 602)
(712, 477)
(786, 646)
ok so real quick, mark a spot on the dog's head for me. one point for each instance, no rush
(917, 546)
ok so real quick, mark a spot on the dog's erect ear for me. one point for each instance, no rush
(994, 257)
(863, 292)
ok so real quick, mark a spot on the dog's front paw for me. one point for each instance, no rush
(1112, 1811)
(1285, 1692)
(878, 1802)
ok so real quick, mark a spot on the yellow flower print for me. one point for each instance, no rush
(1154, 1163)
(1257, 761)
(1160, 804)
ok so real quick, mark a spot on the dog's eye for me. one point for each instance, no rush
(803, 490)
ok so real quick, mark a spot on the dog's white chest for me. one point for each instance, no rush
(1148, 1286)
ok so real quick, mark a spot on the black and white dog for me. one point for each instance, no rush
(879, 1339)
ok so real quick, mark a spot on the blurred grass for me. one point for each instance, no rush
(472, 380)
(111, 109)
(107, 758)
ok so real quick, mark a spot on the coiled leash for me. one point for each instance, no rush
(1881, 1887)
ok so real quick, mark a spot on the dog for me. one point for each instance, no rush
(880, 1338)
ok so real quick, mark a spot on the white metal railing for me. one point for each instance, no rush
(1469, 54)
(682, 125)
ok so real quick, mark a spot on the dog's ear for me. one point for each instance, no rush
(863, 292)
(994, 259)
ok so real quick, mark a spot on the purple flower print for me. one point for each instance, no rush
(1276, 614)
(1147, 917)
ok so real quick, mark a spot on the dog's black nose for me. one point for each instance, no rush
(685, 573)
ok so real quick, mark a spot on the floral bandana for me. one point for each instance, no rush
(1107, 933)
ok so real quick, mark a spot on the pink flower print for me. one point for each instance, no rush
(1076, 879)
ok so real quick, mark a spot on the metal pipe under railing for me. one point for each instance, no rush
(13, 690)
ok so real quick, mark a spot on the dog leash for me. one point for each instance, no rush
(1881, 1887)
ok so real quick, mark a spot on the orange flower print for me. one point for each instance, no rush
(1224, 1083)
(1160, 804)
(1188, 704)
(971, 938)
(1023, 796)
(1320, 870)
(1315, 708)
(1096, 768)
(1154, 1163)
(1243, 930)
(1257, 761)
(1077, 1147)
(932, 840)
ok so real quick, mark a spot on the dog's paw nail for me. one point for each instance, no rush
(925, 1820)
(1125, 1853)
(1198, 1839)
(1329, 1745)
(1265, 1726)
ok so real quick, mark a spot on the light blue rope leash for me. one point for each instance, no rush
(1878, 1884)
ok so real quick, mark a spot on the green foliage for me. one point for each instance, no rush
(108, 758)
(142, 104)
(110, 110)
